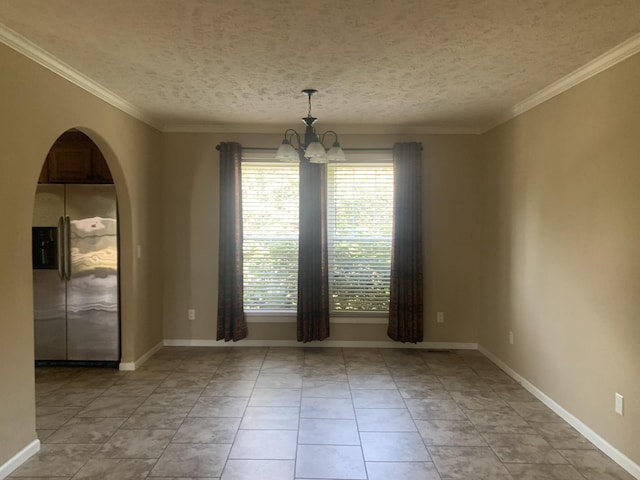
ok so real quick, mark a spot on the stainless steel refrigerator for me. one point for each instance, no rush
(75, 273)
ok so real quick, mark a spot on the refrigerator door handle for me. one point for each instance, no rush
(67, 248)
(61, 248)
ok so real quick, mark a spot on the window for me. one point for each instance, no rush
(359, 206)
(360, 212)
(270, 230)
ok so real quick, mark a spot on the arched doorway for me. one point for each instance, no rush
(75, 257)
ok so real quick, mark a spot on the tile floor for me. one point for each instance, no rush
(303, 413)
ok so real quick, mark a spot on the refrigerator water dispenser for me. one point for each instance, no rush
(45, 248)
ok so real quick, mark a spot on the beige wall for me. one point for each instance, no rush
(453, 226)
(37, 106)
(563, 250)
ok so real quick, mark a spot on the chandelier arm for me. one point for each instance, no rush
(325, 133)
(289, 134)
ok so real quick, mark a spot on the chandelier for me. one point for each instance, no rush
(313, 148)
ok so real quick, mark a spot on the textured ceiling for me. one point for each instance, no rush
(451, 64)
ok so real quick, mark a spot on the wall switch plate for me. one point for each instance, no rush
(192, 314)
(138, 252)
(440, 317)
(619, 408)
(511, 338)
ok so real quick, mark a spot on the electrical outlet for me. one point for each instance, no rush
(440, 317)
(619, 406)
(511, 338)
(191, 314)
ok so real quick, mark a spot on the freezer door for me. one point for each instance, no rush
(50, 326)
(92, 287)
(49, 302)
(49, 205)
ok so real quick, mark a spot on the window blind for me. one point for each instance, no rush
(359, 217)
(270, 230)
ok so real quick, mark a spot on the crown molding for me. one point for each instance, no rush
(605, 61)
(342, 129)
(25, 47)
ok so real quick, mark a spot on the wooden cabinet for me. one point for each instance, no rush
(74, 158)
(69, 165)
(100, 172)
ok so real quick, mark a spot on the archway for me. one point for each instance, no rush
(82, 165)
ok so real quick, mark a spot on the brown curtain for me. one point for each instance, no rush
(313, 269)
(232, 324)
(406, 300)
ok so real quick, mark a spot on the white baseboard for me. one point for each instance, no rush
(131, 366)
(19, 458)
(615, 454)
(324, 343)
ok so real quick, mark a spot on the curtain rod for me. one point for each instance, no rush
(345, 149)
(382, 149)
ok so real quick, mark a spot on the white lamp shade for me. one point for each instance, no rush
(336, 154)
(286, 153)
(316, 153)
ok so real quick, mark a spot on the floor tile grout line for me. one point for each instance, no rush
(355, 417)
(414, 420)
(176, 430)
(226, 462)
(173, 436)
